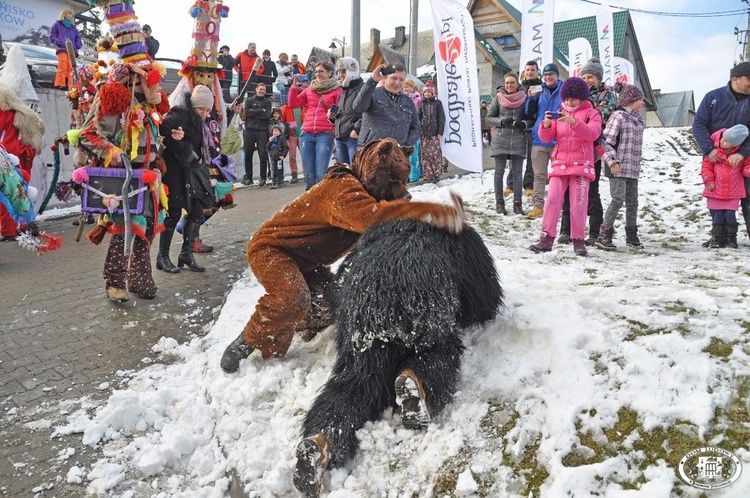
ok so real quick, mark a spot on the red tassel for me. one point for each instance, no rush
(148, 177)
(114, 99)
(51, 242)
(163, 106)
(153, 77)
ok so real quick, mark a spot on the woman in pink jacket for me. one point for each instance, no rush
(316, 141)
(724, 186)
(576, 129)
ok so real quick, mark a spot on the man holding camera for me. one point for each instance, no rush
(256, 113)
(541, 152)
(386, 111)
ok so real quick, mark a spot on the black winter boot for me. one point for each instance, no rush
(518, 209)
(162, 259)
(717, 239)
(731, 235)
(500, 207)
(237, 350)
(631, 237)
(593, 235)
(186, 254)
(605, 239)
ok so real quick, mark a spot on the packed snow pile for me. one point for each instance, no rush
(595, 380)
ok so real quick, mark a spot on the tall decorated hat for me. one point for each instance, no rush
(126, 31)
(205, 51)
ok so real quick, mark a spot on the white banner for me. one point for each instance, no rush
(537, 32)
(579, 51)
(457, 83)
(624, 71)
(605, 35)
(29, 21)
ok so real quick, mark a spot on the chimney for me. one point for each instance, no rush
(374, 39)
(400, 38)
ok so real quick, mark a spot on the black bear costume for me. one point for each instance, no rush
(401, 300)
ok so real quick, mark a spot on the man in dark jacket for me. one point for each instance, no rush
(151, 42)
(532, 85)
(227, 63)
(723, 108)
(256, 113)
(386, 111)
(347, 118)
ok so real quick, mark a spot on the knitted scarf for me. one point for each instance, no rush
(511, 101)
(324, 86)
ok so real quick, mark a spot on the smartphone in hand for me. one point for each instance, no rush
(334, 108)
(554, 115)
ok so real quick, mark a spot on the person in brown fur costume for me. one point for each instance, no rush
(291, 253)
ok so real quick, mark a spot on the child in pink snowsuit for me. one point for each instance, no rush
(576, 130)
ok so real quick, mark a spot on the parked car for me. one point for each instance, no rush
(41, 61)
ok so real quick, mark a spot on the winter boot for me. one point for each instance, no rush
(544, 244)
(718, 236)
(579, 247)
(294, 179)
(162, 259)
(631, 237)
(518, 209)
(500, 207)
(410, 397)
(535, 213)
(604, 241)
(730, 235)
(237, 350)
(593, 235)
(313, 455)
(186, 254)
(564, 237)
(117, 295)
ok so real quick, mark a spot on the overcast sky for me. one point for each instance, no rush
(680, 53)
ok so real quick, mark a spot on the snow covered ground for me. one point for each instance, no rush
(597, 377)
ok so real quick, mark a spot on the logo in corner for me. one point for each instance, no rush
(710, 468)
(450, 48)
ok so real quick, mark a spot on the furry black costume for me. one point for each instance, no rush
(401, 299)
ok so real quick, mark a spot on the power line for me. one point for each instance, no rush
(725, 13)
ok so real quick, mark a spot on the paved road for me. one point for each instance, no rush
(61, 340)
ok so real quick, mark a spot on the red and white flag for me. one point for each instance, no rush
(457, 83)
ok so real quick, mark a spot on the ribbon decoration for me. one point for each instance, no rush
(111, 201)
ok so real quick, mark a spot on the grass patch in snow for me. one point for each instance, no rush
(719, 349)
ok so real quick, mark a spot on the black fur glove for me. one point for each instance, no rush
(506, 122)
(521, 125)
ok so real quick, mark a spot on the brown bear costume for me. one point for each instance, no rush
(290, 254)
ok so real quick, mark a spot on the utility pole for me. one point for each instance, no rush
(356, 52)
(413, 37)
(746, 47)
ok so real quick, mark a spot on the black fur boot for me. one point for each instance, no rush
(237, 351)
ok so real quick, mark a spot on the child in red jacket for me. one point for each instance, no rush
(725, 186)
